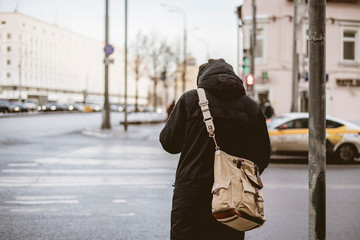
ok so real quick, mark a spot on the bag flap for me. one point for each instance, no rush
(217, 186)
(252, 174)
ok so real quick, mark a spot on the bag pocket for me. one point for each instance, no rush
(221, 196)
(253, 201)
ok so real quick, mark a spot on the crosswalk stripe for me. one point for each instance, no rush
(43, 202)
(89, 171)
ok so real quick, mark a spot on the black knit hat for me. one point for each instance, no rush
(205, 65)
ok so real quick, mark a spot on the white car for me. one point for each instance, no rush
(289, 134)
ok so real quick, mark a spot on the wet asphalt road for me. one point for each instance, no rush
(61, 177)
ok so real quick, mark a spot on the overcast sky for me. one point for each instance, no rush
(211, 24)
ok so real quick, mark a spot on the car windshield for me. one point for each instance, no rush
(274, 121)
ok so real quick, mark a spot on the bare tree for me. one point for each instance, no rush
(139, 48)
(158, 52)
(168, 63)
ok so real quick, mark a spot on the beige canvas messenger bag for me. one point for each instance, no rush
(237, 198)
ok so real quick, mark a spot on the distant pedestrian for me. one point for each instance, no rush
(268, 110)
(240, 131)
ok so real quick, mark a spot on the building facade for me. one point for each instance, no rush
(44, 61)
(274, 58)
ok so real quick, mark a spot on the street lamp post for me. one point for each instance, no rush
(106, 112)
(125, 70)
(238, 27)
(182, 12)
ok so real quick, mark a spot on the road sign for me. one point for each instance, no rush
(108, 61)
(108, 49)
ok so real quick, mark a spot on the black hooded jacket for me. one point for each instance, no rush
(240, 130)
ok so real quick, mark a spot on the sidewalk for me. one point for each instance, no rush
(138, 127)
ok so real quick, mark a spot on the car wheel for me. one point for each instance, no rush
(346, 152)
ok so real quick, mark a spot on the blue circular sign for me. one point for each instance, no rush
(108, 49)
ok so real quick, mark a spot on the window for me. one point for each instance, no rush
(349, 41)
(305, 41)
(260, 44)
(332, 124)
(9, 36)
(8, 75)
(8, 49)
(8, 62)
(350, 44)
(3, 22)
(259, 48)
(295, 124)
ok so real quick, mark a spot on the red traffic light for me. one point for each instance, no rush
(249, 80)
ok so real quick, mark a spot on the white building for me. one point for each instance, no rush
(273, 63)
(45, 61)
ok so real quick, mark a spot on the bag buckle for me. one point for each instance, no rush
(239, 162)
(206, 102)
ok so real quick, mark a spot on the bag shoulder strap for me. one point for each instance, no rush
(208, 119)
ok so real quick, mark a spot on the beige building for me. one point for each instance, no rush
(45, 61)
(273, 62)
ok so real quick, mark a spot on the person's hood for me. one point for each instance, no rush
(219, 78)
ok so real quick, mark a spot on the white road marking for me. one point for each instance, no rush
(97, 134)
(119, 201)
(43, 202)
(89, 171)
(33, 210)
(125, 214)
(123, 163)
(119, 149)
(50, 199)
(78, 181)
(23, 164)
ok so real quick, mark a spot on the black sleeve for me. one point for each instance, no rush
(263, 143)
(172, 135)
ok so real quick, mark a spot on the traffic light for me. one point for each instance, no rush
(249, 82)
(246, 63)
(163, 75)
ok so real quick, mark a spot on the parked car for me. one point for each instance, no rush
(31, 104)
(53, 106)
(79, 106)
(18, 107)
(289, 135)
(92, 107)
(4, 106)
(116, 107)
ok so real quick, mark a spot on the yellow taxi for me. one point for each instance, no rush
(289, 135)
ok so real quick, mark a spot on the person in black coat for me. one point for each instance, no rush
(240, 130)
(268, 110)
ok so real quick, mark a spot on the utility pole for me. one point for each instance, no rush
(126, 73)
(185, 60)
(106, 110)
(253, 44)
(317, 113)
(295, 65)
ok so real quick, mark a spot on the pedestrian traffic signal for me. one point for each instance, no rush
(246, 64)
(249, 82)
